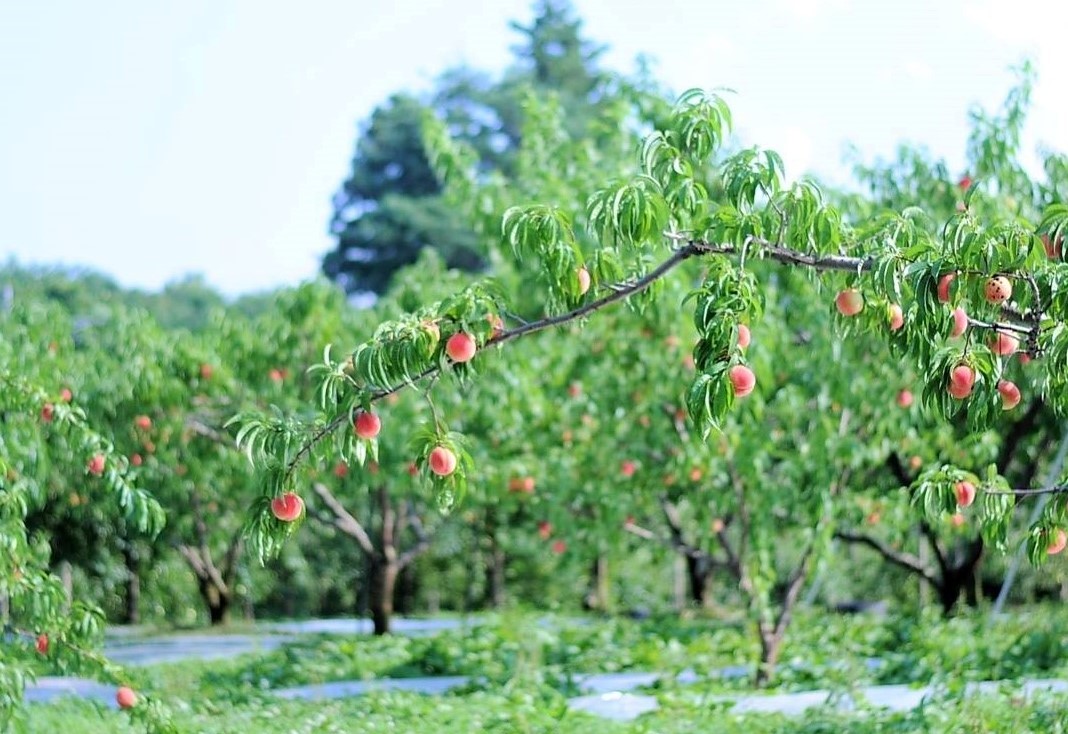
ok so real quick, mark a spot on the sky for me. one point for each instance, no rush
(149, 141)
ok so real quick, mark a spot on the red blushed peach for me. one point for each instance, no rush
(496, 323)
(1004, 344)
(895, 316)
(961, 380)
(143, 422)
(574, 390)
(997, 290)
(627, 468)
(65, 395)
(965, 183)
(944, 284)
(559, 547)
(413, 470)
(276, 375)
(849, 302)
(42, 644)
(460, 347)
(341, 470)
(956, 520)
(1010, 394)
(960, 322)
(744, 336)
(1059, 542)
(904, 399)
(95, 465)
(136, 460)
(367, 425)
(965, 492)
(47, 412)
(206, 371)
(583, 276)
(288, 507)
(545, 530)
(742, 380)
(442, 461)
(125, 697)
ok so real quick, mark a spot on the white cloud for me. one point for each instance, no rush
(809, 10)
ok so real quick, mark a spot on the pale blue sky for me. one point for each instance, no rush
(152, 139)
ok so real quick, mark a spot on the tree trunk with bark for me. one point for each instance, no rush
(132, 611)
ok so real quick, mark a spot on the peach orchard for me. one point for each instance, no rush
(676, 347)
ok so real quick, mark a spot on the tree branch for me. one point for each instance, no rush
(422, 540)
(900, 558)
(344, 521)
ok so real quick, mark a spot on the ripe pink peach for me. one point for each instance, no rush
(744, 337)
(367, 425)
(1010, 394)
(944, 284)
(288, 507)
(965, 493)
(742, 380)
(442, 461)
(960, 322)
(849, 302)
(1059, 542)
(460, 347)
(1004, 344)
(895, 316)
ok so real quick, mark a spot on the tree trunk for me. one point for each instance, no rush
(66, 575)
(132, 612)
(494, 596)
(770, 647)
(699, 572)
(383, 582)
(217, 601)
(598, 598)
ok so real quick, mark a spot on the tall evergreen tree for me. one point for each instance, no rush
(390, 208)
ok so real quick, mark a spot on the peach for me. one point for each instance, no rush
(627, 468)
(965, 492)
(583, 276)
(206, 371)
(574, 389)
(545, 529)
(744, 336)
(1004, 344)
(1025, 358)
(412, 469)
(944, 284)
(442, 461)
(1010, 394)
(47, 412)
(742, 380)
(904, 399)
(460, 347)
(559, 547)
(341, 470)
(496, 323)
(136, 460)
(895, 316)
(961, 381)
(125, 697)
(965, 183)
(956, 520)
(997, 290)
(288, 507)
(95, 465)
(143, 422)
(849, 302)
(367, 425)
(1059, 542)
(276, 375)
(960, 322)
(42, 644)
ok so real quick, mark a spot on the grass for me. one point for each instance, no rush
(525, 669)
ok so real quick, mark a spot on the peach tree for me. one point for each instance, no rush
(47, 433)
(591, 231)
